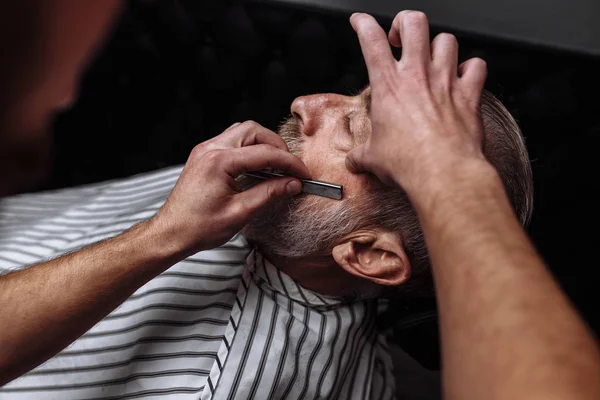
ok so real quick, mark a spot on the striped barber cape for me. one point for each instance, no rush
(221, 324)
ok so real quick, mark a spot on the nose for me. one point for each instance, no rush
(314, 111)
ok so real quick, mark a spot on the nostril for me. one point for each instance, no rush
(296, 116)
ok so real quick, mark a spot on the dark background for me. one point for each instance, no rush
(175, 73)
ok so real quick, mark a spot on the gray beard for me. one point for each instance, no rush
(303, 226)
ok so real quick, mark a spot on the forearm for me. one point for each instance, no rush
(48, 306)
(508, 332)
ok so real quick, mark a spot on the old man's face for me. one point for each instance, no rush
(322, 130)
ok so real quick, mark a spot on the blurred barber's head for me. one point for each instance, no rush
(372, 237)
(44, 44)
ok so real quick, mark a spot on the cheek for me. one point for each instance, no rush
(356, 185)
(315, 156)
(318, 169)
(333, 170)
(326, 162)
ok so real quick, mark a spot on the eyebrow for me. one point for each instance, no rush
(365, 98)
(365, 95)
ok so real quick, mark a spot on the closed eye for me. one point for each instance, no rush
(346, 122)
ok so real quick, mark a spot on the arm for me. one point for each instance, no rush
(46, 307)
(507, 330)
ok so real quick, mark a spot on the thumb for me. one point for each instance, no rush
(260, 195)
(355, 160)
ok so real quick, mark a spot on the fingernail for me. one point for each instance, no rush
(293, 188)
(355, 15)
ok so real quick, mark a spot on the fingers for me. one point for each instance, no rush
(410, 30)
(374, 45)
(473, 73)
(250, 133)
(260, 195)
(444, 54)
(261, 156)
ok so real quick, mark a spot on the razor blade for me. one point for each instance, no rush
(309, 186)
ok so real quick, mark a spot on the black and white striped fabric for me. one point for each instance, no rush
(222, 324)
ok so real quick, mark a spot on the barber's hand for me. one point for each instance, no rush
(425, 108)
(207, 207)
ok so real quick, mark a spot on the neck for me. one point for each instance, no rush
(320, 274)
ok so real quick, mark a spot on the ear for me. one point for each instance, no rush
(377, 255)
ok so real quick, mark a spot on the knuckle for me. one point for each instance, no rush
(250, 125)
(371, 35)
(417, 73)
(279, 140)
(272, 192)
(198, 151)
(239, 209)
(265, 148)
(464, 100)
(213, 156)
